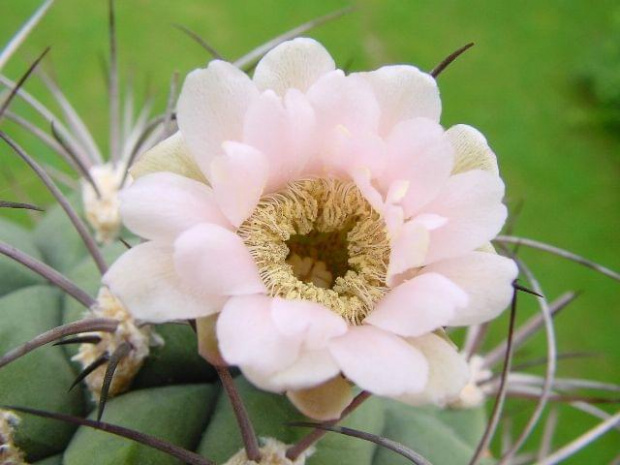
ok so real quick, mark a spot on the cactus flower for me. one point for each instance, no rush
(322, 228)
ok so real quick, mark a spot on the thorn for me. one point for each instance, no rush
(119, 354)
(199, 40)
(449, 59)
(89, 369)
(79, 340)
(124, 242)
(21, 82)
(27, 206)
(521, 288)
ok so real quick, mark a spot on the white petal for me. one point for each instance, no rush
(248, 337)
(211, 109)
(163, 205)
(448, 372)
(145, 280)
(170, 155)
(297, 64)
(485, 277)
(380, 362)
(472, 152)
(418, 306)
(471, 202)
(216, 260)
(404, 92)
(324, 402)
(239, 180)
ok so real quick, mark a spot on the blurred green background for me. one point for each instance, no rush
(542, 83)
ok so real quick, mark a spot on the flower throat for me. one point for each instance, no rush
(320, 240)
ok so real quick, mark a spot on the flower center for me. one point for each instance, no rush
(320, 240)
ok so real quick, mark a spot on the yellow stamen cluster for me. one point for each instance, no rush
(139, 338)
(320, 240)
(9, 453)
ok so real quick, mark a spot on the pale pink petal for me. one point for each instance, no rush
(324, 402)
(344, 103)
(409, 247)
(421, 157)
(418, 306)
(163, 205)
(283, 130)
(248, 337)
(448, 374)
(380, 362)
(485, 277)
(310, 322)
(471, 202)
(404, 92)
(211, 109)
(216, 260)
(472, 152)
(145, 280)
(296, 63)
(238, 179)
(208, 348)
(309, 370)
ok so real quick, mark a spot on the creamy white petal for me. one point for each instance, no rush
(145, 280)
(448, 371)
(211, 109)
(472, 151)
(296, 63)
(170, 155)
(324, 402)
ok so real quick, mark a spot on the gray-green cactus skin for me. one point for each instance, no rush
(176, 395)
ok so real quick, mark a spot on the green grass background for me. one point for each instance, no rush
(520, 85)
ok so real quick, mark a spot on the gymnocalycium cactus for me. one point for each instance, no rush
(152, 379)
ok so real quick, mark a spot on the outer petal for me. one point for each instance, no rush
(311, 323)
(324, 402)
(485, 277)
(145, 280)
(380, 362)
(216, 260)
(448, 374)
(404, 92)
(296, 63)
(471, 202)
(239, 180)
(248, 336)
(208, 348)
(211, 109)
(472, 150)
(170, 155)
(283, 130)
(421, 156)
(418, 306)
(163, 205)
